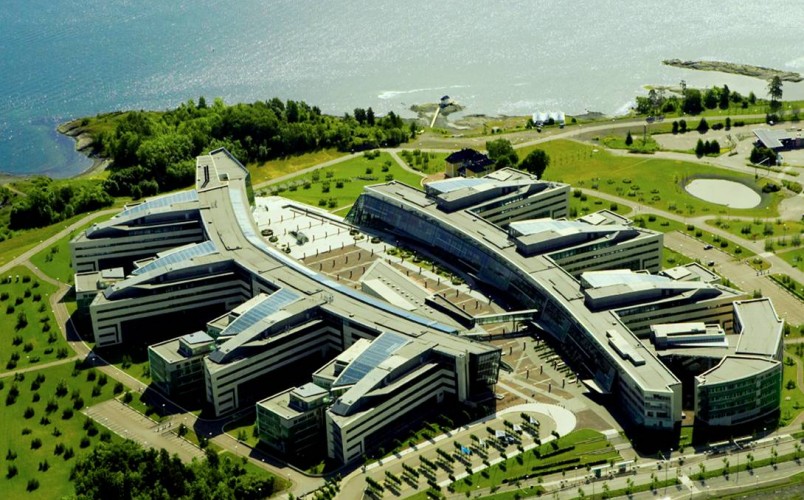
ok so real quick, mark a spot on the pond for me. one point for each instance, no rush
(722, 192)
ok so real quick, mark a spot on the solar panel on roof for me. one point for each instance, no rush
(162, 201)
(180, 255)
(268, 306)
(380, 349)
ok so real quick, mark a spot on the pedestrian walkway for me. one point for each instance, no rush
(130, 424)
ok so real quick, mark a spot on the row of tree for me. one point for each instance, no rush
(125, 471)
(704, 148)
(694, 101)
(48, 202)
(155, 151)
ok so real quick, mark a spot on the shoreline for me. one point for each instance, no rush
(85, 145)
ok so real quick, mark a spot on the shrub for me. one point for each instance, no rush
(29, 412)
(59, 449)
(36, 443)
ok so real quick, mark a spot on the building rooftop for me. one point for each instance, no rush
(773, 138)
(762, 330)
(733, 368)
(547, 276)
(385, 282)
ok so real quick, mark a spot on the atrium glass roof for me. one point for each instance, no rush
(380, 349)
(243, 216)
(448, 185)
(179, 255)
(162, 201)
(268, 306)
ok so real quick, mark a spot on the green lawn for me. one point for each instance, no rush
(792, 399)
(789, 284)
(55, 260)
(51, 426)
(272, 169)
(651, 181)
(28, 331)
(243, 430)
(794, 257)
(575, 450)
(672, 259)
(581, 204)
(321, 188)
(758, 229)
(425, 162)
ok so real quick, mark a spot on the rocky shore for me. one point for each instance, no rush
(737, 69)
(85, 144)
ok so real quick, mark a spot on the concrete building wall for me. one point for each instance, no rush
(109, 317)
(103, 253)
(348, 439)
(222, 381)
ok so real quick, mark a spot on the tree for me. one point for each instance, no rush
(370, 117)
(682, 126)
(703, 126)
(693, 103)
(628, 139)
(675, 127)
(724, 97)
(710, 99)
(699, 149)
(775, 92)
(714, 148)
(728, 123)
(536, 162)
(502, 153)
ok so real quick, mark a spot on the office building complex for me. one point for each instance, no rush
(362, 366)
(264, 314)
(599, 318)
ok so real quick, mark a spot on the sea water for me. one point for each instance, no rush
(62, 59)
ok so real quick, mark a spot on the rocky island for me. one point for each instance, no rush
(737, 69)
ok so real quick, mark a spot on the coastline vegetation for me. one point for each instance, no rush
(152, 152)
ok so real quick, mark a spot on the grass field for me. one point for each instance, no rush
(339, 186)
(792, 399)
(583, 204)
(576, 449)
(425, 162)
(652, 181)
(55, 260)
(41, 415)
(757, 229)
(28, 331)
(794, 257)
(275, 168)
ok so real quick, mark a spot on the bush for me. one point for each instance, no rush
(36, 443)
(29, 412)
